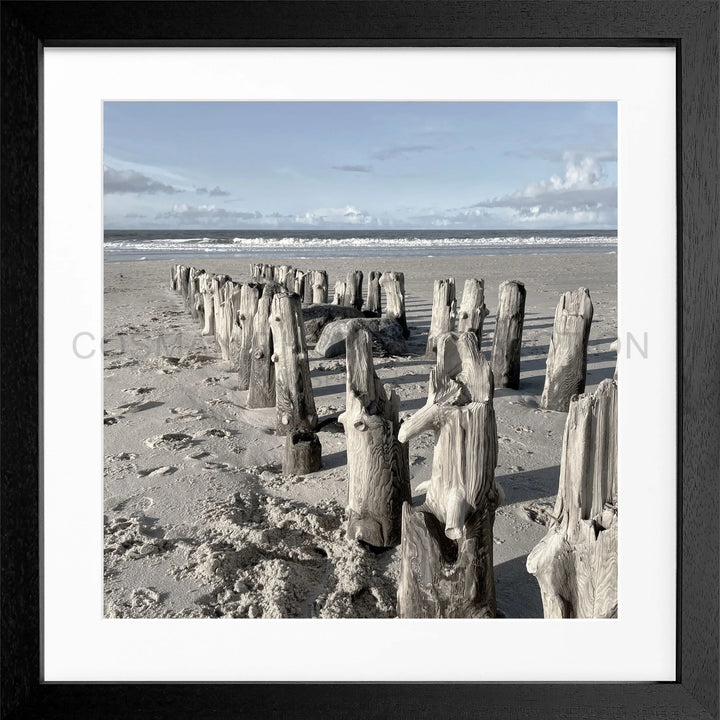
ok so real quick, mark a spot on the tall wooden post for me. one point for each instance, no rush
(576, 562)
(393, 283)
(293, 388)
(353, 289)
(183, 280)
(378, 463)
(209, 307)
(308, 287)
(372, 303)
(340, 292)
(447, 545)
(472, 311)
(262, 369)
(192, 291)
(225, 324)
(443, 312)
(507, 341)
(249, 299)
(319, 287)
(262, 272)
(567, 358)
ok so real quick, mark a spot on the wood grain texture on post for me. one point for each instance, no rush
(567, 357)
(249, 299)
(443, 312)
(225, 323)
(393, 283)
(447, 547)
(378, 463)
(208, 304)
(507, 340)
(293, 388)
(373, 304)
(340, 292)
(576, 562)
(261, 392)
(472, 312)
(319, 287)
(353, 289)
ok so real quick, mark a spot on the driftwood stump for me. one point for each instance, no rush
(293, 388)
(303, 453)
(373, 304)
(452, 576)
(262, 369)
(472, 311)
(567, 358)
(576, 562)
(319, 287)
(249, 299)
(443, 312)
(353, 289)
(507, 341)
(307, 293)
(393, 283)
(378, 463)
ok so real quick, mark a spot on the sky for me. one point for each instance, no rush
(344, 165)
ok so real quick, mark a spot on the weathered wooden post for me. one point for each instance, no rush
(319, 287)
(298, 284)
(353, 289)
(447, 543)
(296, 414)
(378, 463)
(576, 562)
(262, 272)
(307, 287)
(262, 369)
(472, 311)
(249, 299)
(443, 312)
(206, 291)
(225, 323)
(192, 291)
(281, 274)
(393, 283)
(567, 358)
(507, 340)
(216, 284)
(173, 277)
(372, 304)
(183, 279)
(340, 292)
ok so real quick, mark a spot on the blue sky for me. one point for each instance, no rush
(345, 165)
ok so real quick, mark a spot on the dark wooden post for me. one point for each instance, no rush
(443, 312)
(567, 358)
(507, 340)
(378, 463)
(393, 283)
(447, 547)
(576, 562)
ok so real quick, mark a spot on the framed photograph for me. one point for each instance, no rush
(161, 164)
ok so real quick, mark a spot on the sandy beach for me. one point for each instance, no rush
(199, 519)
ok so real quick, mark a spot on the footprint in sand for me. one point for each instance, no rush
(135, 407)
(214, 432)
(138, 390)
(154, 472)
(121, 456)
(170, 441)
(186, 414)
(215, 380)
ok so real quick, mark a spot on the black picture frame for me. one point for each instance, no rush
(691, 26)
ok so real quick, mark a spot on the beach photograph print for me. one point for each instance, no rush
(360, 360)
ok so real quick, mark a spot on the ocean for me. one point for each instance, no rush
(164, 244)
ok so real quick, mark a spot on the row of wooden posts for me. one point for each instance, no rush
(567, 356)
(446, 544)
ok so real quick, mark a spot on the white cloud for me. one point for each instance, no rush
(348, 215)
